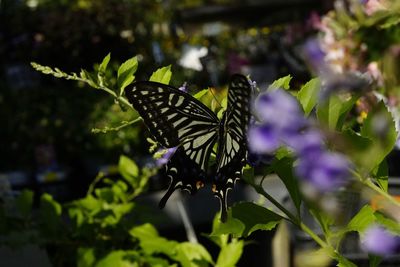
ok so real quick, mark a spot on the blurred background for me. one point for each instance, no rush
(46, 143)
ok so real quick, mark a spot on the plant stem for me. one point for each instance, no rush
(290, 216)
(378, 190)
(369, 183)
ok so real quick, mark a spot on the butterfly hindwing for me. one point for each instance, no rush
(232, 150)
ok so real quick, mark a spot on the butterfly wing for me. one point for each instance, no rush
(232, 149)
(177, 119)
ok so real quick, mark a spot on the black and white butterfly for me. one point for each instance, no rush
(177, 119)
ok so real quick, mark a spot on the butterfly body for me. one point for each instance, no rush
(177, 119)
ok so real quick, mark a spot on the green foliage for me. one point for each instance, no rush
(126, 73)
(308, 95)
(283, 82)
(333, 110)
(162, 75)
(362, 220)
(247, 217)
(284, 169)
(24, 203)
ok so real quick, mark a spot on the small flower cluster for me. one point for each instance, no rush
(283, 124)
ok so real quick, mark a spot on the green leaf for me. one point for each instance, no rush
(232, 226)
(230, 254)
(200, 94)
(248, 174)
(89, 78)
(333, 111)
(343, 262)
(190, 252)
(50, 212)
(381, 175)
(86, 257)
(374, 260)
(308, 95)
(24, 202)
(255, 217)
(162, 75)
(126, 73)
(151, 242)
(379, 127)
(284, 169)
(388, 223)
(104, 63)
(117, 258)
(128, 169)
(362, 220)
(283, 82)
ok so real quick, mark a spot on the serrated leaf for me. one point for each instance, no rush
(230, 254)
(162, 75)
(255, 217)
(24, 203)
(104, 63)
(362, 220)
(283, 82)
(126, 73)
(308, 95)
(284, 169)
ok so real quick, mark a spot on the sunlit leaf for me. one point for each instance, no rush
(255, 217)
(308, 95)
(230, 254)
(283, 82)
(162, 75)
(126, 73)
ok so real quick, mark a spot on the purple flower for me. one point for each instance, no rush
(377, 240)
(262, 139)
(315, 56)
(166, 156)
(326, 171)
(305, 144)
(279, 109)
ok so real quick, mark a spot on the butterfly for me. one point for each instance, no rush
(177, 119)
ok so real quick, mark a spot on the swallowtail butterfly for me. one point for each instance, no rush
(177, 119)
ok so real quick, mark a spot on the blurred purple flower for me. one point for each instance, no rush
(279, 109)
(263, 139)
(315, 56)
(166, 156)
(326, 171)
(377, 240)
(306, 144)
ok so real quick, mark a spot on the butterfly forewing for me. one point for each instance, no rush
(170, 114)
(177, 119)
(232, 150)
